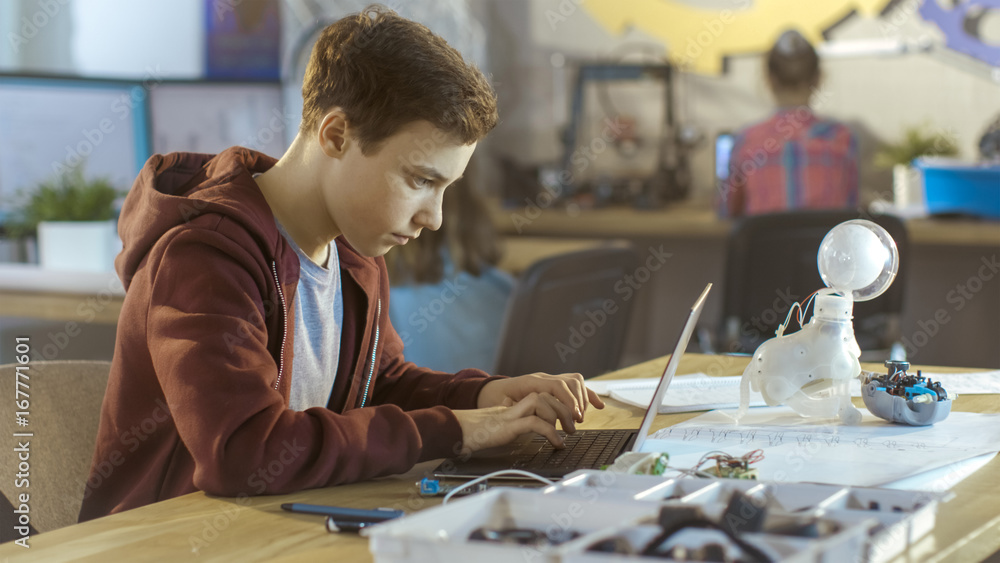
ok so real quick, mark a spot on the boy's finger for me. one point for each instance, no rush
(546, 407)
(534, 405)
(575, 383)
(522, 408)
(545, 411)
(539, 426)
(595, 399)
(562, 392)
(562, 412)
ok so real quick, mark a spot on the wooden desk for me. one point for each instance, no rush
(29, 291)
(521, 252)
(203, 528)
(693, 220)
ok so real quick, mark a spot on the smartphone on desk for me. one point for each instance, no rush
(345, 514)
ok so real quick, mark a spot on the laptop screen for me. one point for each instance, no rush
(723, 150)
(671, 369)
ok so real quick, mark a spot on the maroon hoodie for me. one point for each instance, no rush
(198, 393)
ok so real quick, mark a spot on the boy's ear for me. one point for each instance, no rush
(333, 133)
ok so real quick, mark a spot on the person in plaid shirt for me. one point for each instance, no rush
(795, 159)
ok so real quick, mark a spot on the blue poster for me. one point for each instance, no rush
(242, 40)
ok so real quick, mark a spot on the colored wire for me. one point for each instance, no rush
(788, 318)
(804, 308)
(721, 457)
(478, 480)
(692, 472)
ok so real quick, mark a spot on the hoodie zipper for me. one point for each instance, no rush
(371, 367)
(284, 324)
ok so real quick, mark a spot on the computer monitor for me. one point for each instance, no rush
(53, 125)
(209, 117)
(723, 149)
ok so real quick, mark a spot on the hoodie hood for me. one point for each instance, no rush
(175, 188)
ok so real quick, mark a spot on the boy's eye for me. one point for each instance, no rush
(422, 182)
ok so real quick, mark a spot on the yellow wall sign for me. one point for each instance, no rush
(698, 38)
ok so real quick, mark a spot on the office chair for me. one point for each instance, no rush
(565, 315)
(771, 263)
(65, 405)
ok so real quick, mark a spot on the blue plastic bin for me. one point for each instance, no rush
(969, 189)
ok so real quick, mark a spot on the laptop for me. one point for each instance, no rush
(723, 152)
(585, 449)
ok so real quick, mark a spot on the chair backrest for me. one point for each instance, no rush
(64, 411)
(566, 316)
(771, 263)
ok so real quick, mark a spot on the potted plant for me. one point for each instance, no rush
(917, 142)
(74, 220)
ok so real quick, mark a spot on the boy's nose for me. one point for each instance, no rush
(430, 216)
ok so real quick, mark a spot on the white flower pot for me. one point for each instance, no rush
(907, 186)
(82, 246)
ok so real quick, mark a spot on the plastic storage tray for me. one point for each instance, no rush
(970, 190)
(854, 523)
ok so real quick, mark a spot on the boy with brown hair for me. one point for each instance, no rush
(254, 351)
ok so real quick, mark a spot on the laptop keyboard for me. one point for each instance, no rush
(584, 450)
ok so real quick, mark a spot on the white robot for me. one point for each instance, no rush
(810, 370)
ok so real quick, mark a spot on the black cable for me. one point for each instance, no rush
(752, 551)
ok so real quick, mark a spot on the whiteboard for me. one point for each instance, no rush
(48, 126)
(211, 117)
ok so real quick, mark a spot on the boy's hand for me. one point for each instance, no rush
(495, 426)
(567, 388)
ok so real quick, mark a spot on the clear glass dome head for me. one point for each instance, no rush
(859, 259)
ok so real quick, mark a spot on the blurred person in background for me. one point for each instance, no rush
(795, 159)
(447, 296)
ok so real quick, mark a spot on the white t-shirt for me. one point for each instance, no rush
(319, 321)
